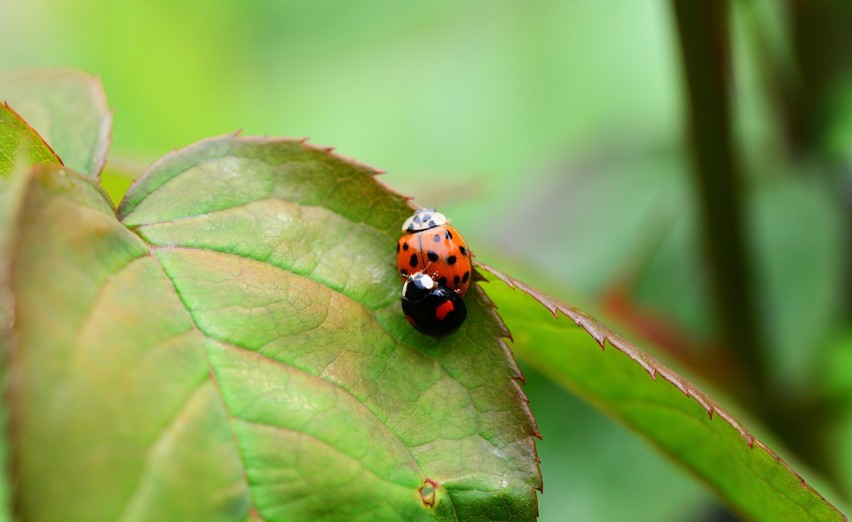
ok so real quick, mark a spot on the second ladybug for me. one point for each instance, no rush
(432, 309)
(431, 245)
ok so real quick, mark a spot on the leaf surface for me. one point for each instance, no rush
(233, 348)
(20, 145)
(20, 148)
(666, 409)
(68, 108)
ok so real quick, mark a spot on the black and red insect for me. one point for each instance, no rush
(432, 308)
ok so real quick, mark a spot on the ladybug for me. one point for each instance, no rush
(430, 307)
(430, 245)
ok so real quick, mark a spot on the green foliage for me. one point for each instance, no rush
(723, 452)
(568, 120)
(228, 345)
(20, 144)
(234, 345)
(68, 109)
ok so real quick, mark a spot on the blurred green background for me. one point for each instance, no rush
(553, 134)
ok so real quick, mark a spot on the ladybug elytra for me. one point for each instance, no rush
(431, 245)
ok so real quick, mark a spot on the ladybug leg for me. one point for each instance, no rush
(433, 274)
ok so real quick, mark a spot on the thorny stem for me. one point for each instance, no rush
(705, 50)
(704, 42)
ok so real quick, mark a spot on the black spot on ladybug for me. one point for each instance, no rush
(426, 217)
(456, 280)
(448, 234)
(417, 219)
(465, 277)
(405, 246)
(432, 256)
(413, 260)
(451, 260)
(411, 227)
(397, 247)
(463, 250)
(431, 224)
(442, 281)
(403, 272)
(436, 238)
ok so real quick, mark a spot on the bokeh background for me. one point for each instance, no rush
(553, 133)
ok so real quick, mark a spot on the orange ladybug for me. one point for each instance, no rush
(430, 245)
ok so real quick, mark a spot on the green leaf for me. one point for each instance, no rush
(20, 148)
(675, 416)
(20, 145)
(234, 348)
(68, 108)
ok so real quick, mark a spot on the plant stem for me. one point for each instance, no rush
(705, 50)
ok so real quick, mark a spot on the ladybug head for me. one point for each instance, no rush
(424, 219)
(418, 286)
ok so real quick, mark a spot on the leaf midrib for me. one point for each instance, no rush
(139, 229)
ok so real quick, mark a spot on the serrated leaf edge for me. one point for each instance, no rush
(603, 335)
(516, 377)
